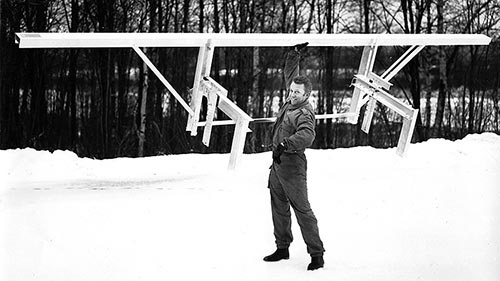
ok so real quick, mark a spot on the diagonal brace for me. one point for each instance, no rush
(162, 79)
(401, 62)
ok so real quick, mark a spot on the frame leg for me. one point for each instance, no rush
(367, 119)
(240, 133)
(406, 133)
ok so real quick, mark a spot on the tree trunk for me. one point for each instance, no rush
(244, 62)
(72, 75)
(404, 7)
(428, 79)
(366, 15)
(496, 107)
(225, 17)
(311, 16)
(443, 79)
(142, 110)
(38, 104)
(295, 16)
(216, 17)
(328, 77)
(2, 91)
(415, 92)
(201, 21)
(284, 11)
(472, 89)
(320, 129)
(256, 101)
(105, 20)
(185, 16)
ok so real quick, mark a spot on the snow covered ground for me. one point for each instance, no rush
(434, 215)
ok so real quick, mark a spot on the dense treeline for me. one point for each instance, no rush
(106, 103)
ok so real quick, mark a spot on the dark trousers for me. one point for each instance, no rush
(288, 187)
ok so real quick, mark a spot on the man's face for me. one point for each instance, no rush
(297, 94)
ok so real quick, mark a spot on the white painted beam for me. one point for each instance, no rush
(124, 40)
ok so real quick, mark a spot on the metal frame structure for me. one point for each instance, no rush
(368, 86)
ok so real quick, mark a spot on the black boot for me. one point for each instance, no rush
(279, 254)
(316, 262)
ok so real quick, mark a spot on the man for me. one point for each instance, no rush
(292, 133)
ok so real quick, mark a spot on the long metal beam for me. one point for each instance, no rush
(124, 40)
(272, 119)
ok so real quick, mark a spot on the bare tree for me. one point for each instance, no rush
(75, 15)
(143, 92)
(366, 15)
(312, 6)
(328, 89)
(2, 101)
(443, 80)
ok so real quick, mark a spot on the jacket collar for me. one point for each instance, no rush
(300, 105)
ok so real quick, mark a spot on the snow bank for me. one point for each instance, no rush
(433, 215)
(20, 165)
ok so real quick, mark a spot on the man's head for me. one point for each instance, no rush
(300, 90)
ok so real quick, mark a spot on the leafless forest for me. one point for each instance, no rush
(93, 101)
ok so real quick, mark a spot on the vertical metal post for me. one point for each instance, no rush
(211, 106)
(203, 66)
(367, 120)
(365, 66)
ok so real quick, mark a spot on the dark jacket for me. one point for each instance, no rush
(295, 127)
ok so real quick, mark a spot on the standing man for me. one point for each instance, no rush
(292, 133)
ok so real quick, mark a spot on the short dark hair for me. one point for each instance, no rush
(303, 80)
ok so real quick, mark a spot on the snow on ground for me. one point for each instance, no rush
(434, 215)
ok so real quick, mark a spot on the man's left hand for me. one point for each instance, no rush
(278, 151)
